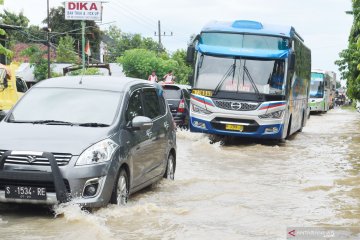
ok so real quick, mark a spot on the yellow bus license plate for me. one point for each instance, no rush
(239, 128)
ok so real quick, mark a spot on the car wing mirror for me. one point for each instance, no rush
(141, 123)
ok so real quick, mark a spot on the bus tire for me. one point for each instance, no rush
(302, 122)
(289, 129)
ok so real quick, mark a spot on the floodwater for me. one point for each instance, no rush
(243, 190)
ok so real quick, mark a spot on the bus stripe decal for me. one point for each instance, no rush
(202, 100)
(272, 105)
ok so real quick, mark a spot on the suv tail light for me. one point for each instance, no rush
(181, 107)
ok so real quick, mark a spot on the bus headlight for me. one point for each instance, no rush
(277, 115)
(200, 110)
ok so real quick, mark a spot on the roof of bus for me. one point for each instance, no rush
(246, 26)
(318, 71)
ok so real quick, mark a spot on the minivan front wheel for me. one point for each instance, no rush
(170, 168)
(120, 193)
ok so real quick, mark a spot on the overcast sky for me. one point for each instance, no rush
(322, 23)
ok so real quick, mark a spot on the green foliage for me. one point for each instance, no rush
(184, 70)
(350, 58)
(37, 60)
(20, 20)
(65, 52)
(3, 50)
(87, 71)
(118, 42)
(10, 18)
(139, 63)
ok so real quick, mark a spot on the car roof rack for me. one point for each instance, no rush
(90, 65)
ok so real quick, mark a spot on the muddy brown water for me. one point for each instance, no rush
(243, 190)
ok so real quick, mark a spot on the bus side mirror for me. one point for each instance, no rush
(292, 62)
(191, 79)
(190, 54)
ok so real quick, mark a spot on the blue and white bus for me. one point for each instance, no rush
(250, 80)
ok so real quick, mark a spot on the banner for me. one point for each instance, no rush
(83, 10)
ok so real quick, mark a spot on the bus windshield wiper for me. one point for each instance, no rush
(252, 82)
(230, 71)
(52, 122)
(93, 124)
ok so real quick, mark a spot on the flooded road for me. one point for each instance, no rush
(243, 190)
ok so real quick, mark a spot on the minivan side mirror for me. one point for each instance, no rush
(2, 115)
(190, 54)
(292, 62)
(141, 123)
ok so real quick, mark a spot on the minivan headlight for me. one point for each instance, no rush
(277, 115)
(98, 153)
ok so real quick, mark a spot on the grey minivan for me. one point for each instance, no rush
(92, 139)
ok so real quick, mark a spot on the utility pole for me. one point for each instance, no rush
(159, 34)
(159, 31)
(83, 43)
(48, 41)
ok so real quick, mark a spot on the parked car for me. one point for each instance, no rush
(178, 98)
(91, 139)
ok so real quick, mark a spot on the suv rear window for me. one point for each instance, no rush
(172, 93)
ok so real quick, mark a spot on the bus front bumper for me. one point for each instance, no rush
(253, 130)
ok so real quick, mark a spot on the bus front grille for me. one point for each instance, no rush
(235, 105)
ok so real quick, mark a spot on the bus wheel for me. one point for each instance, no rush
(302, 123)
(215, 138)
(288, 130)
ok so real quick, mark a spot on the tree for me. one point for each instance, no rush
(139, 63)
(3, 50)
(349, 62)
(65, 52)
(36, 56)
(184, 70)
(118, 42)
(59, 27)
(18, 20)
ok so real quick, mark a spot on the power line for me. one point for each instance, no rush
(134, 17)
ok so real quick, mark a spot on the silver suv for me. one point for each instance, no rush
(92, 140)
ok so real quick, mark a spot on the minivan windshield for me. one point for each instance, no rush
(77, 106)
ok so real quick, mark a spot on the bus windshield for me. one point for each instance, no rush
(240, 75)
(317, 85)
(237, 40)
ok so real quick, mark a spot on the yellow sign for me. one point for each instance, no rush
(205, 93)
(233, 127)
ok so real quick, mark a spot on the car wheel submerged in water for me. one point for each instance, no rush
(170, 168)
(120, 193)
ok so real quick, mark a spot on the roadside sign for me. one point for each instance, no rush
(83, 10)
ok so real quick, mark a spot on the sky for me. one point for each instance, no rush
(323, 24)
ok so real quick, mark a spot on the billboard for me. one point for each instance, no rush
(76, 10)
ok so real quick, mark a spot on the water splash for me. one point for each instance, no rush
(81, 223)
